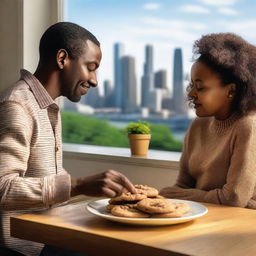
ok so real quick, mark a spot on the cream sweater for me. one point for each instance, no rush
(32, 177)
(218, 163)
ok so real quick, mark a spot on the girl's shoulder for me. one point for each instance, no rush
(200, 122)
(199, 125)
(247, 121)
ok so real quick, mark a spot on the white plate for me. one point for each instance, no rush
(98, 207)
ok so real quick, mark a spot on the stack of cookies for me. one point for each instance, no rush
(146, 203)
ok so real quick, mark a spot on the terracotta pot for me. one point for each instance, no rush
(139, 144)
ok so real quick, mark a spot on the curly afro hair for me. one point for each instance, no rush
(234, 59)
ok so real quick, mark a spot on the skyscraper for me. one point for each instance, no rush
(108, 94)
(118, 53)
(147, 80)
(160, 79)
(149, 59)
(155, 100)
(93, 98)
(178, 94)
(129, 83)
(107, 88)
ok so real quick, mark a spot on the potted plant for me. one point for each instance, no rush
(139, 137)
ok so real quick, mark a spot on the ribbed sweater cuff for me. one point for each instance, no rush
(56, 189)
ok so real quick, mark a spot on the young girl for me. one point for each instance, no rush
(218, 163)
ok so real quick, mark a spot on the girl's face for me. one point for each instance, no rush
(208, 94)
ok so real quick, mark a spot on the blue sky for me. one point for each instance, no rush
(165, 24)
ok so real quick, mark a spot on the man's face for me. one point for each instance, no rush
(79, 74)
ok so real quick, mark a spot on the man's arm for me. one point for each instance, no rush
(17, 191)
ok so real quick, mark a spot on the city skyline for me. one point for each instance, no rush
(165, 24)
(149, 98)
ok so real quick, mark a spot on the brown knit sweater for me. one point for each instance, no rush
(218, 163)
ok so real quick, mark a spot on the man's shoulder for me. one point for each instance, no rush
(18, 92)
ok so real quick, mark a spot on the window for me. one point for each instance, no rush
(147, 50)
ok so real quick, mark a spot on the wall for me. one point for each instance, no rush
(157, 173)
(22, 23)
(11, 42)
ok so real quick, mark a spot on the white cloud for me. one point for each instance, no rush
(174, 24)
(245, 28)
(194, 9)
(218, 2)
(151, 6)
(163, 34)
(171, 34)
(228, 11)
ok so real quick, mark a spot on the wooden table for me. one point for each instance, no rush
(222, 231)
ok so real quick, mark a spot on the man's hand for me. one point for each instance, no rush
(109, 183)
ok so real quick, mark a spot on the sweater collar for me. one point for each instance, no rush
(221, 126)
(43, 98)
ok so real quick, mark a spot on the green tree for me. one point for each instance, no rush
(81, 129)
(163, 139)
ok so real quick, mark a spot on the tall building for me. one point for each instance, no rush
(178, 94)
(93, 98)
(155, 102)
(108, 94)
(129, 83)
(160, 79)
(118, 53)
(107, 88)
(149, 59)
(69, 105)
(147, 80)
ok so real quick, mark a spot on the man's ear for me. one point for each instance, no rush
(61, 58)
(231, 90)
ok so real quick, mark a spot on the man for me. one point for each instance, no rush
(31, 174)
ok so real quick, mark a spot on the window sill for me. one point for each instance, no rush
(155, 158)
